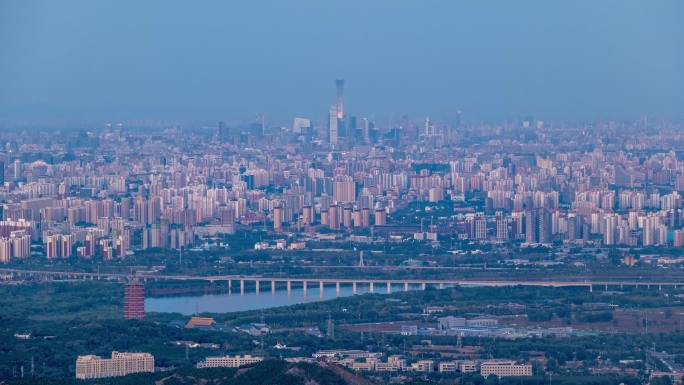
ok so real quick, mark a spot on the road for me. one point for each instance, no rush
(550, 282)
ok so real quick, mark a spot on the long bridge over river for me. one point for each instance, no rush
(387, 285)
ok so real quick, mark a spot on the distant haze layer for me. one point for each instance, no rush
(214, 59)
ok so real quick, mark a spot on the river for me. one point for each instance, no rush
(250, 300)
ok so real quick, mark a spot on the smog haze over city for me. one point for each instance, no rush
(341, 192)
(79, 60)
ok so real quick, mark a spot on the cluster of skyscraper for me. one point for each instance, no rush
(111, 191)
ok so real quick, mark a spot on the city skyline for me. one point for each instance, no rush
(325, 192)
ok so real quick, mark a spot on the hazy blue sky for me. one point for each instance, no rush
(215, 59)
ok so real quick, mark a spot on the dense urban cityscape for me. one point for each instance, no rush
(590, 209)
(110, 191)
(341, 193)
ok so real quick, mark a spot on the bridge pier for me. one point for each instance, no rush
(56, 276)
(320, 289)
(289, 287)
(305, 287)
(337, 288)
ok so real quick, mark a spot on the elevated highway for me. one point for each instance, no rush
(373, 284)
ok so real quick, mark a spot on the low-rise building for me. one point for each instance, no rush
(120, 364)
(386, 367)
(228, 361)
(363, 366)
(504, 368)
(448, 366)
(433, 309)
(253, 329)
(199, 322)
(423, 366)
(409, 330)
(344, 353)
(482, 322)
(450, 322)
(398, 361)
(467, 366)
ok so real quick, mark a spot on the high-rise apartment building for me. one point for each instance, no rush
(5, 250)
(334, 217)
(480, 227)
(609, 229)
(538, 226)
(501, 227)
(380, 217)
(17, 245)
(58, 245)
(307, 215)
(18, 170)
(278, 219)
(344, 189)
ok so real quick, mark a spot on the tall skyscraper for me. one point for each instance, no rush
(365, 129)
(223, 132)
(427, 126)
(2, 173)
(332, 125)
(339, 83)
(134, 300)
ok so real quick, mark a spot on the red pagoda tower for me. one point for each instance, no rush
(134, 300)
